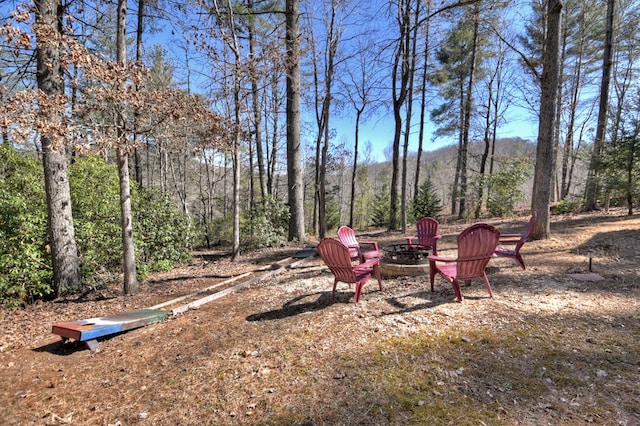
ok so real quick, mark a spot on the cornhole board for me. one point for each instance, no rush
(89, 330)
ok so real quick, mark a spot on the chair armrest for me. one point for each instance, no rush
(510, 235)
(367, 265)
(440, 258)
(411, 238)
(437, 237)
(510, 238)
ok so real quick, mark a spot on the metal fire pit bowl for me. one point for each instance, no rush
(405, 260)
(405, 254)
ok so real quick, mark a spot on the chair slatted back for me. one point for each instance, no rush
(476, 245)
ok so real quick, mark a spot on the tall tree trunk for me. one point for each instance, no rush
(592, 186)
(354, 169)
(411, 66)
(257, 113)
(126, 218)
(64, 252)
(136, 154)
(423, 102)
(399, 82)
(294, 149)
(468, 105)
(544, 153)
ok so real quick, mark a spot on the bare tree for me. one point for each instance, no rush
(592, 179)
(126, 219)
(294, 149)
(64, 252)
(545, 156)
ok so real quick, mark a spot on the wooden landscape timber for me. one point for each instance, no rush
(279, 267)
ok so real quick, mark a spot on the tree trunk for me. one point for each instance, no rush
(411, 66)
(544, 152)
(64, 252)
(423, 102)
(399, 82)
(466, 123)
(592, 186)
(294, 149)
(257, 113)
(137, 175)
(354, 169)
(126, 219)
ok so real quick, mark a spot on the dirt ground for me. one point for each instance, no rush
(548, 349)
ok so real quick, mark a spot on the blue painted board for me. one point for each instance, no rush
(92, 328)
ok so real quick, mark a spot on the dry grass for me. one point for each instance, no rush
(547, 350)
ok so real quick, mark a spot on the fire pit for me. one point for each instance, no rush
(404, 260)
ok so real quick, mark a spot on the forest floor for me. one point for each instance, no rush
(548, 349)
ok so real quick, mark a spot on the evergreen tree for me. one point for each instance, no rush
(426, 202)
(381, 205)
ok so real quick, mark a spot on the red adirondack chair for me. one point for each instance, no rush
(426, 235)
(476, 245)
(347, 236)
(514, 243)
(336, 256)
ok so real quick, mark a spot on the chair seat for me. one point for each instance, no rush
(450, 272)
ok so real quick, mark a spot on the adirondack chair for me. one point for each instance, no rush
(514, 243)
(347, 236)
(476, 245)
(336, 256)
(426, 235)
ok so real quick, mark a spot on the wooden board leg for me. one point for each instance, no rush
(92, 344)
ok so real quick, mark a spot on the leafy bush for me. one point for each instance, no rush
(95, 199)
(265, 225)
(568, 204)
(163, 235)
(504, 188)
(25, 266)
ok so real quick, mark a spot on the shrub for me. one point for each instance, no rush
(25, 265)
(568, 204)
(95, 199)
(504, 188)
(265, 225)
(163, 234)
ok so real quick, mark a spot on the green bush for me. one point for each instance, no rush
(25, 265)
(265, 225)
(96, 215)
(164, 236)
(568, 204)
(504, 188)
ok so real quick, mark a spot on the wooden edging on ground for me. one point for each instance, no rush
(244, 284)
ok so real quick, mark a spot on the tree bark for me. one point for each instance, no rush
(545, 157)
(594, 165)
(126, 218)
(64, 252)
(294, 149)
(466, 123)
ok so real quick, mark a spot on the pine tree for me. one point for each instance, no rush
(426, 202)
